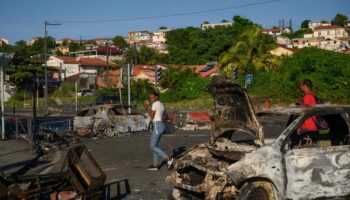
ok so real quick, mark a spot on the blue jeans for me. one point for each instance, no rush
(158, 129)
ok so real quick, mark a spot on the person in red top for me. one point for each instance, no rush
(308, 99)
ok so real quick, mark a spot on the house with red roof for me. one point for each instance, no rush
(77, 68)
(276, 31)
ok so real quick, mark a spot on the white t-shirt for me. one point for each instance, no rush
(159, 108)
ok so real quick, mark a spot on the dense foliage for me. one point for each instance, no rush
(329, 72)
(181, 84)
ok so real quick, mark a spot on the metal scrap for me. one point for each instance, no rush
(80, 174)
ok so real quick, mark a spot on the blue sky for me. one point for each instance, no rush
(24, 19)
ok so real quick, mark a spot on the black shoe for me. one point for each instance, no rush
(152, 168)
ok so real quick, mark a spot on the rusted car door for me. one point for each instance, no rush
(318, 172)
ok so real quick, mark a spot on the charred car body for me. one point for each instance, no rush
(238, 164)
(109, 120)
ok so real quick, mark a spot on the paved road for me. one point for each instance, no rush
(126, 158)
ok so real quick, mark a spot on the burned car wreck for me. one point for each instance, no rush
(110, 120)
(238, 164)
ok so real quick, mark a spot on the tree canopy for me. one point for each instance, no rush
(305, 24)
(120, 42)
(340, 19)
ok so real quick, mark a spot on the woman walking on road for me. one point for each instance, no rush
(156, 111)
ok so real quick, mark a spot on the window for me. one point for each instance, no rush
(332, 131)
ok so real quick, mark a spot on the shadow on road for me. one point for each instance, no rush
(116, 189)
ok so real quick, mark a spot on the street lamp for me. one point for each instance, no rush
(45, 47)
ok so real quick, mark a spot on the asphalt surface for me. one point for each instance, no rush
(125, 159)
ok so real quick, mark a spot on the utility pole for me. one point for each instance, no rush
(46, 23)
(5, 58)
(129, 90)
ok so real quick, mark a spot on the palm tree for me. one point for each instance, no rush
(250, 48)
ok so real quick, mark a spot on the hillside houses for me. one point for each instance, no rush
(329, 37)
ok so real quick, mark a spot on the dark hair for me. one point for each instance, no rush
(155, 94)
(307, 82)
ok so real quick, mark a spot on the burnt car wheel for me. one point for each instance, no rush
(260, 190)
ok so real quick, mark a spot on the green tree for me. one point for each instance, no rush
(179, 44)
(27, 63)
(340, 20)
(140, 89)
(38, 47)
(147, 55)
(329, 72)
(73, 47)
(250, 51)
(162, 28)
(305, 24)
(120, 42)
(297, 34)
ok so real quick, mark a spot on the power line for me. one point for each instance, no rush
(170, 15)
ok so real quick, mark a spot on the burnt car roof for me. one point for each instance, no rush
(298, 110)
(232, 109)
(107, 106)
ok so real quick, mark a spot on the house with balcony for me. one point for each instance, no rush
(331, 32)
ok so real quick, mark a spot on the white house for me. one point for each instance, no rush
(313, 25)
(276, 31)
(330, 32)
(283, 40)
(159, 36)
(77, 68)
(214, 25)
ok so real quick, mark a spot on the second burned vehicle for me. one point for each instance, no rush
(109, 120)
(237, 163)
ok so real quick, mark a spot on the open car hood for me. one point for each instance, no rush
(232, 110)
